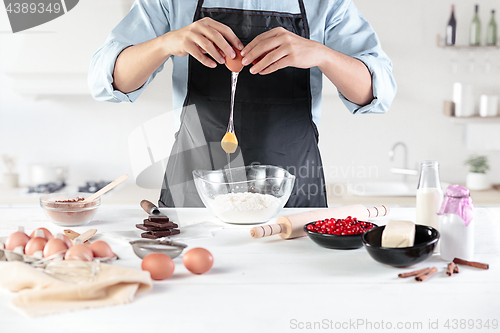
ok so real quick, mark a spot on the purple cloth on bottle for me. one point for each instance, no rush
(458, 201)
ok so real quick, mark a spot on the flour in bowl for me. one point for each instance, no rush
(245, 207)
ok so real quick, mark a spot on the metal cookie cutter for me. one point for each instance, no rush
(163, 245)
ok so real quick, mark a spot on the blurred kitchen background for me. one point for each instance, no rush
(47, 116)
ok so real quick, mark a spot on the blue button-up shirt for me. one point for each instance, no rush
(335, 23)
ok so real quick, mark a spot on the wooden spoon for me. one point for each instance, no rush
(86, 235)
(72, 235)
(106, 188)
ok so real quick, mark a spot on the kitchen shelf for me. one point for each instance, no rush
(440, 43)
(470, 47)
(475, 120)
(338, 195)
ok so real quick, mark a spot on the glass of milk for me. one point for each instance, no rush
(429, 195)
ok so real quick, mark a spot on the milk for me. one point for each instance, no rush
(429, 202)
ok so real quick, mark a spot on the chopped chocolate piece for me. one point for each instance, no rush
(164, 233)
(149, 228)
(158, 218)
(163, 225)
(150, 234)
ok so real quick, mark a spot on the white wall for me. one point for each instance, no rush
(91, 137)
(408, 31)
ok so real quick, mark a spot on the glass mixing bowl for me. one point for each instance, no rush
(69, 214)
(244, 195)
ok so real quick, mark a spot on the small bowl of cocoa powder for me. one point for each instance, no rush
(68, 209)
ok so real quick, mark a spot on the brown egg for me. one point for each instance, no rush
(235, 65)
(66, 240)
(34, 245)
(79, 252)
(54, 246)
(101, 250)
(18, 238)
(46, 234)
(198, 260)
(159, 265)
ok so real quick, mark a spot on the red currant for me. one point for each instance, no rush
(348, 226)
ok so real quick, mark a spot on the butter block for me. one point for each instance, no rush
(398, 234)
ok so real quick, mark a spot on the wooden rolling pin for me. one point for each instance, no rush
(291, 226)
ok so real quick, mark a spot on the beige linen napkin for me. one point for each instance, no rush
(41, 294)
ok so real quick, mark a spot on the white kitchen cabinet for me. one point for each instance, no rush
(53, 58)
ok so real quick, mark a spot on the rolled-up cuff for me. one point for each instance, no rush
(378, 84)
(107, 91)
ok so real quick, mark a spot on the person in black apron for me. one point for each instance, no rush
(272, 116)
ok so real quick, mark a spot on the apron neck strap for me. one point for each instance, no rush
(197, 11)
(304, 17)
(301, 6)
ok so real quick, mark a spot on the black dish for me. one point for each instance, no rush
(426, 239)
(338, 242)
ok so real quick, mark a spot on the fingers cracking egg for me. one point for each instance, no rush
(235, 65)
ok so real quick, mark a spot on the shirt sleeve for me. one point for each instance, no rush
(348, 32)
(146, 20)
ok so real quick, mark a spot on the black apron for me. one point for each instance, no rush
(272, 117)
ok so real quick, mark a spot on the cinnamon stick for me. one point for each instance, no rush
(455, 269)
(414, 273)
(450, 269)
(425, 275)
(471, 263)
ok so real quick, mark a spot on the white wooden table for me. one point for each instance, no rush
(272, 285)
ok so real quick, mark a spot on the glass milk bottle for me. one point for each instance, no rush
(457, 225)
(429, 194)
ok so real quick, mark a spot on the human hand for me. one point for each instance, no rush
(279, 48)
(205, 36)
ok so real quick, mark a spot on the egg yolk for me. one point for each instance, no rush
(229, 143)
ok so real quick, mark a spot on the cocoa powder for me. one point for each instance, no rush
(71, 200)
(71, 212)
